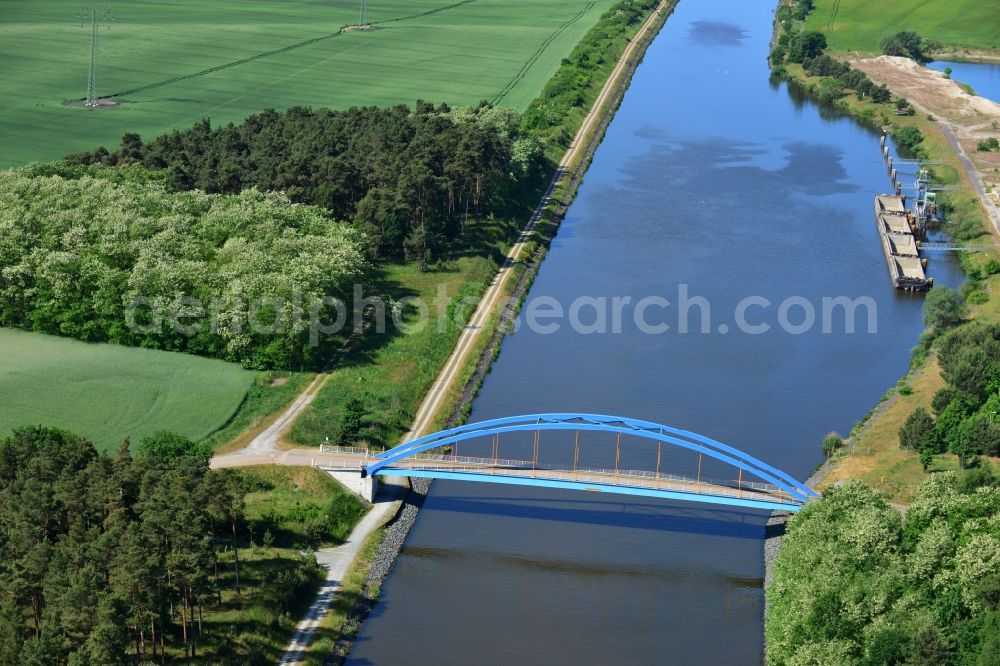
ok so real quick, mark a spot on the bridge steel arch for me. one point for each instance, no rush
(800, 492)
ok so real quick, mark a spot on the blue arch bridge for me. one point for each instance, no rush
(748, 482)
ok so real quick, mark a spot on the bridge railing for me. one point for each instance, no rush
(345, 450)
(632, 477)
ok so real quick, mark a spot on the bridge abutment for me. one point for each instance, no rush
(364, 487)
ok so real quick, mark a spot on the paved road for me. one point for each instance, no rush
(337, 561)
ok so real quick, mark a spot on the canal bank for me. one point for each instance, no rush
(569, 577)
(951, 123)
(551, 211)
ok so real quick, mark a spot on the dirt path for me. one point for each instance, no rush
(975, 176)
(265, 447)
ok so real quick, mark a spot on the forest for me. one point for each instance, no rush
(408, 179)
(79, 246)
(123, 558)
(859, 584)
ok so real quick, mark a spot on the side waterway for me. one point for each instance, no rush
(712, 183)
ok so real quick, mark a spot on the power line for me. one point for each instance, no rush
(94, 17)
(363, 23)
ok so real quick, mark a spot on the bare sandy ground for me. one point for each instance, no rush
(966, 119)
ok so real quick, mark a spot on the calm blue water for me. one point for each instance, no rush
(984, 78)
(712, 177)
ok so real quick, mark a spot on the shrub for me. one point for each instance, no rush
(908, 136)
(943, 308)
(919, 424)
(987, 145)
(805, 45)
(831, 444)
(942, 398)
(977, 297)
(881, 94)
(907, 44)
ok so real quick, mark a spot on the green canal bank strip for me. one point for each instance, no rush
(384, 546)
(899, 562)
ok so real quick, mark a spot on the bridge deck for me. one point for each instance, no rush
(456, 466)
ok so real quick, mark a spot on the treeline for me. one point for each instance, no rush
(857, 584)
(964, 414)
(795, 45)
(409, 179)
(848, 77)
(114, 560)
(579, 77)
(120, 258)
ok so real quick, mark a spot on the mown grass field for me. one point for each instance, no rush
(859, 25)
(107, 392)
(468, 51)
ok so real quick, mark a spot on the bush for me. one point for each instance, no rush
(966, 228)
(831, 444)
(907, 44)
(977, 297)
(987, 145)
(803, 46)
(943, 308)
(942, 398)
(908, 136)
(829, 90)
(881, 94)
(919, 424)
(978, 477)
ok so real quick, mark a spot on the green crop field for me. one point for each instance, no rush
(107, 393)
(859, 25)
(265, 54)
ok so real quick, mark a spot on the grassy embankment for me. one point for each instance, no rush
(960, 26)
(873, 453)
(390, 374)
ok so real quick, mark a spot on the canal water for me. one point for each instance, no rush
(983, 77)
(713, 177)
